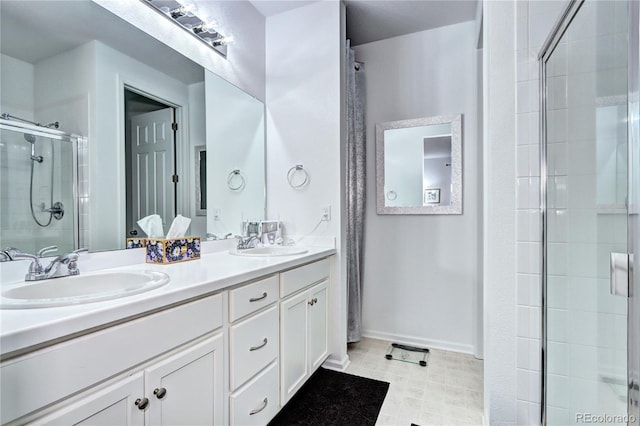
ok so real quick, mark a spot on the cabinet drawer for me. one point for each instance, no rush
(299, 278)
(254, 343)
(251, 297)
(257, 402)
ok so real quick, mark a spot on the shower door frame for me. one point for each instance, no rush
(74, 140)
(633, 173)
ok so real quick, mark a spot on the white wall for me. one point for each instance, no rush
(499, 214)
(304, 118)
(245, 62)
(235, 141)
(421, 272)
(16, 87)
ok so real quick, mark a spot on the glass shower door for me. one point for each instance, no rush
(585, 123)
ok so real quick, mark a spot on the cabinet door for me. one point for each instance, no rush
(187, 388)
(113, 405)
(317, 328)
(293, 345)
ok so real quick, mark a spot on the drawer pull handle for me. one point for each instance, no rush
(257, 410)
(160, 392)
(262, 345)
(256, 299)
(141, 403)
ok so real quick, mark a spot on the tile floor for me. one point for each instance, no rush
(449, 391)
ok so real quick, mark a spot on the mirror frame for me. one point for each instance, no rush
(456, 165)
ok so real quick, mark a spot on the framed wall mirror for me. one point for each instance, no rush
(419, 166)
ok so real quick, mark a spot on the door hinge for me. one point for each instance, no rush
(174, 178)
(174, 127)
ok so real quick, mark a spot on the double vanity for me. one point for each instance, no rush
(227, 340)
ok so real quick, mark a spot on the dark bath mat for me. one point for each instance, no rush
(332, 398)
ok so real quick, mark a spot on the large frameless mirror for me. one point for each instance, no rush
(419, 166)
(148, 114)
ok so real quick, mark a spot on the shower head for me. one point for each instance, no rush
(29, 138)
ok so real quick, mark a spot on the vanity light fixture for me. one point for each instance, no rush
(185, 14)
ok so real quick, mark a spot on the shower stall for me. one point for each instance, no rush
(590, 166)
(38, 203)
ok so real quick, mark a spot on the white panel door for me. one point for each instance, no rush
(152, 168)
(113, 405)
(317, 318)
(187, 388)
(293, 345)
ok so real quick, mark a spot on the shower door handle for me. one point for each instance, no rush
(619, 274)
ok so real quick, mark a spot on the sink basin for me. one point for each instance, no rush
(83, 288)
(269, 251)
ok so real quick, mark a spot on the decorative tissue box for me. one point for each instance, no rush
(165, 252)
(136, 243)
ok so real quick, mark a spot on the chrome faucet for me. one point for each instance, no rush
(37, 272)
(251, 241)
(70, 260)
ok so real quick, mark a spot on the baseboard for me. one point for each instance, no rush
(337, 364)
(419, 341)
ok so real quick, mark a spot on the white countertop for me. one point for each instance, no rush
(21, 329)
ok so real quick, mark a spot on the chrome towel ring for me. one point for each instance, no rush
(297, 170)
(235, 180)
(391, 195)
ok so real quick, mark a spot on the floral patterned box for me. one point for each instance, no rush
(165, 252)
(136, 243)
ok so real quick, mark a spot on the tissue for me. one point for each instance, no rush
(179, 227)
(152, 226)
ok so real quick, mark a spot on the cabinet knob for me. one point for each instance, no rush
(141, 403)
(160, 392)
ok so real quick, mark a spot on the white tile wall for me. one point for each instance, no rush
(534, 21)
(582, 236)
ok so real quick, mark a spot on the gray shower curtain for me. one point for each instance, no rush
(356, 177)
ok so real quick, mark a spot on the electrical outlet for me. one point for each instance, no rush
(326, 213)
(216, 214)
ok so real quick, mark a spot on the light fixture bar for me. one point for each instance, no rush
(185, 16)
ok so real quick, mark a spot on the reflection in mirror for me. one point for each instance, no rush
(235, 164)
(200, 153)
(103, 81)
(419, 166)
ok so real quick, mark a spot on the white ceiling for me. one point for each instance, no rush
(373, 20)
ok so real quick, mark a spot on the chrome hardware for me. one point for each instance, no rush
(257, 410)
(142, 403)
(251, 241)
(36, 271)
(44, 251)
(315, 300)
(133, 232)
(255, 299)
(57, 210)
(619, 274)
(262, 345)
(160, 392)
(311, 302)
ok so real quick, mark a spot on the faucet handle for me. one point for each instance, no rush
(81, 250)
(46, 250)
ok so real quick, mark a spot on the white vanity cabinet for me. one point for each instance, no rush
(179, 349)
(253, 352)
(185, 388)
(303, 325)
